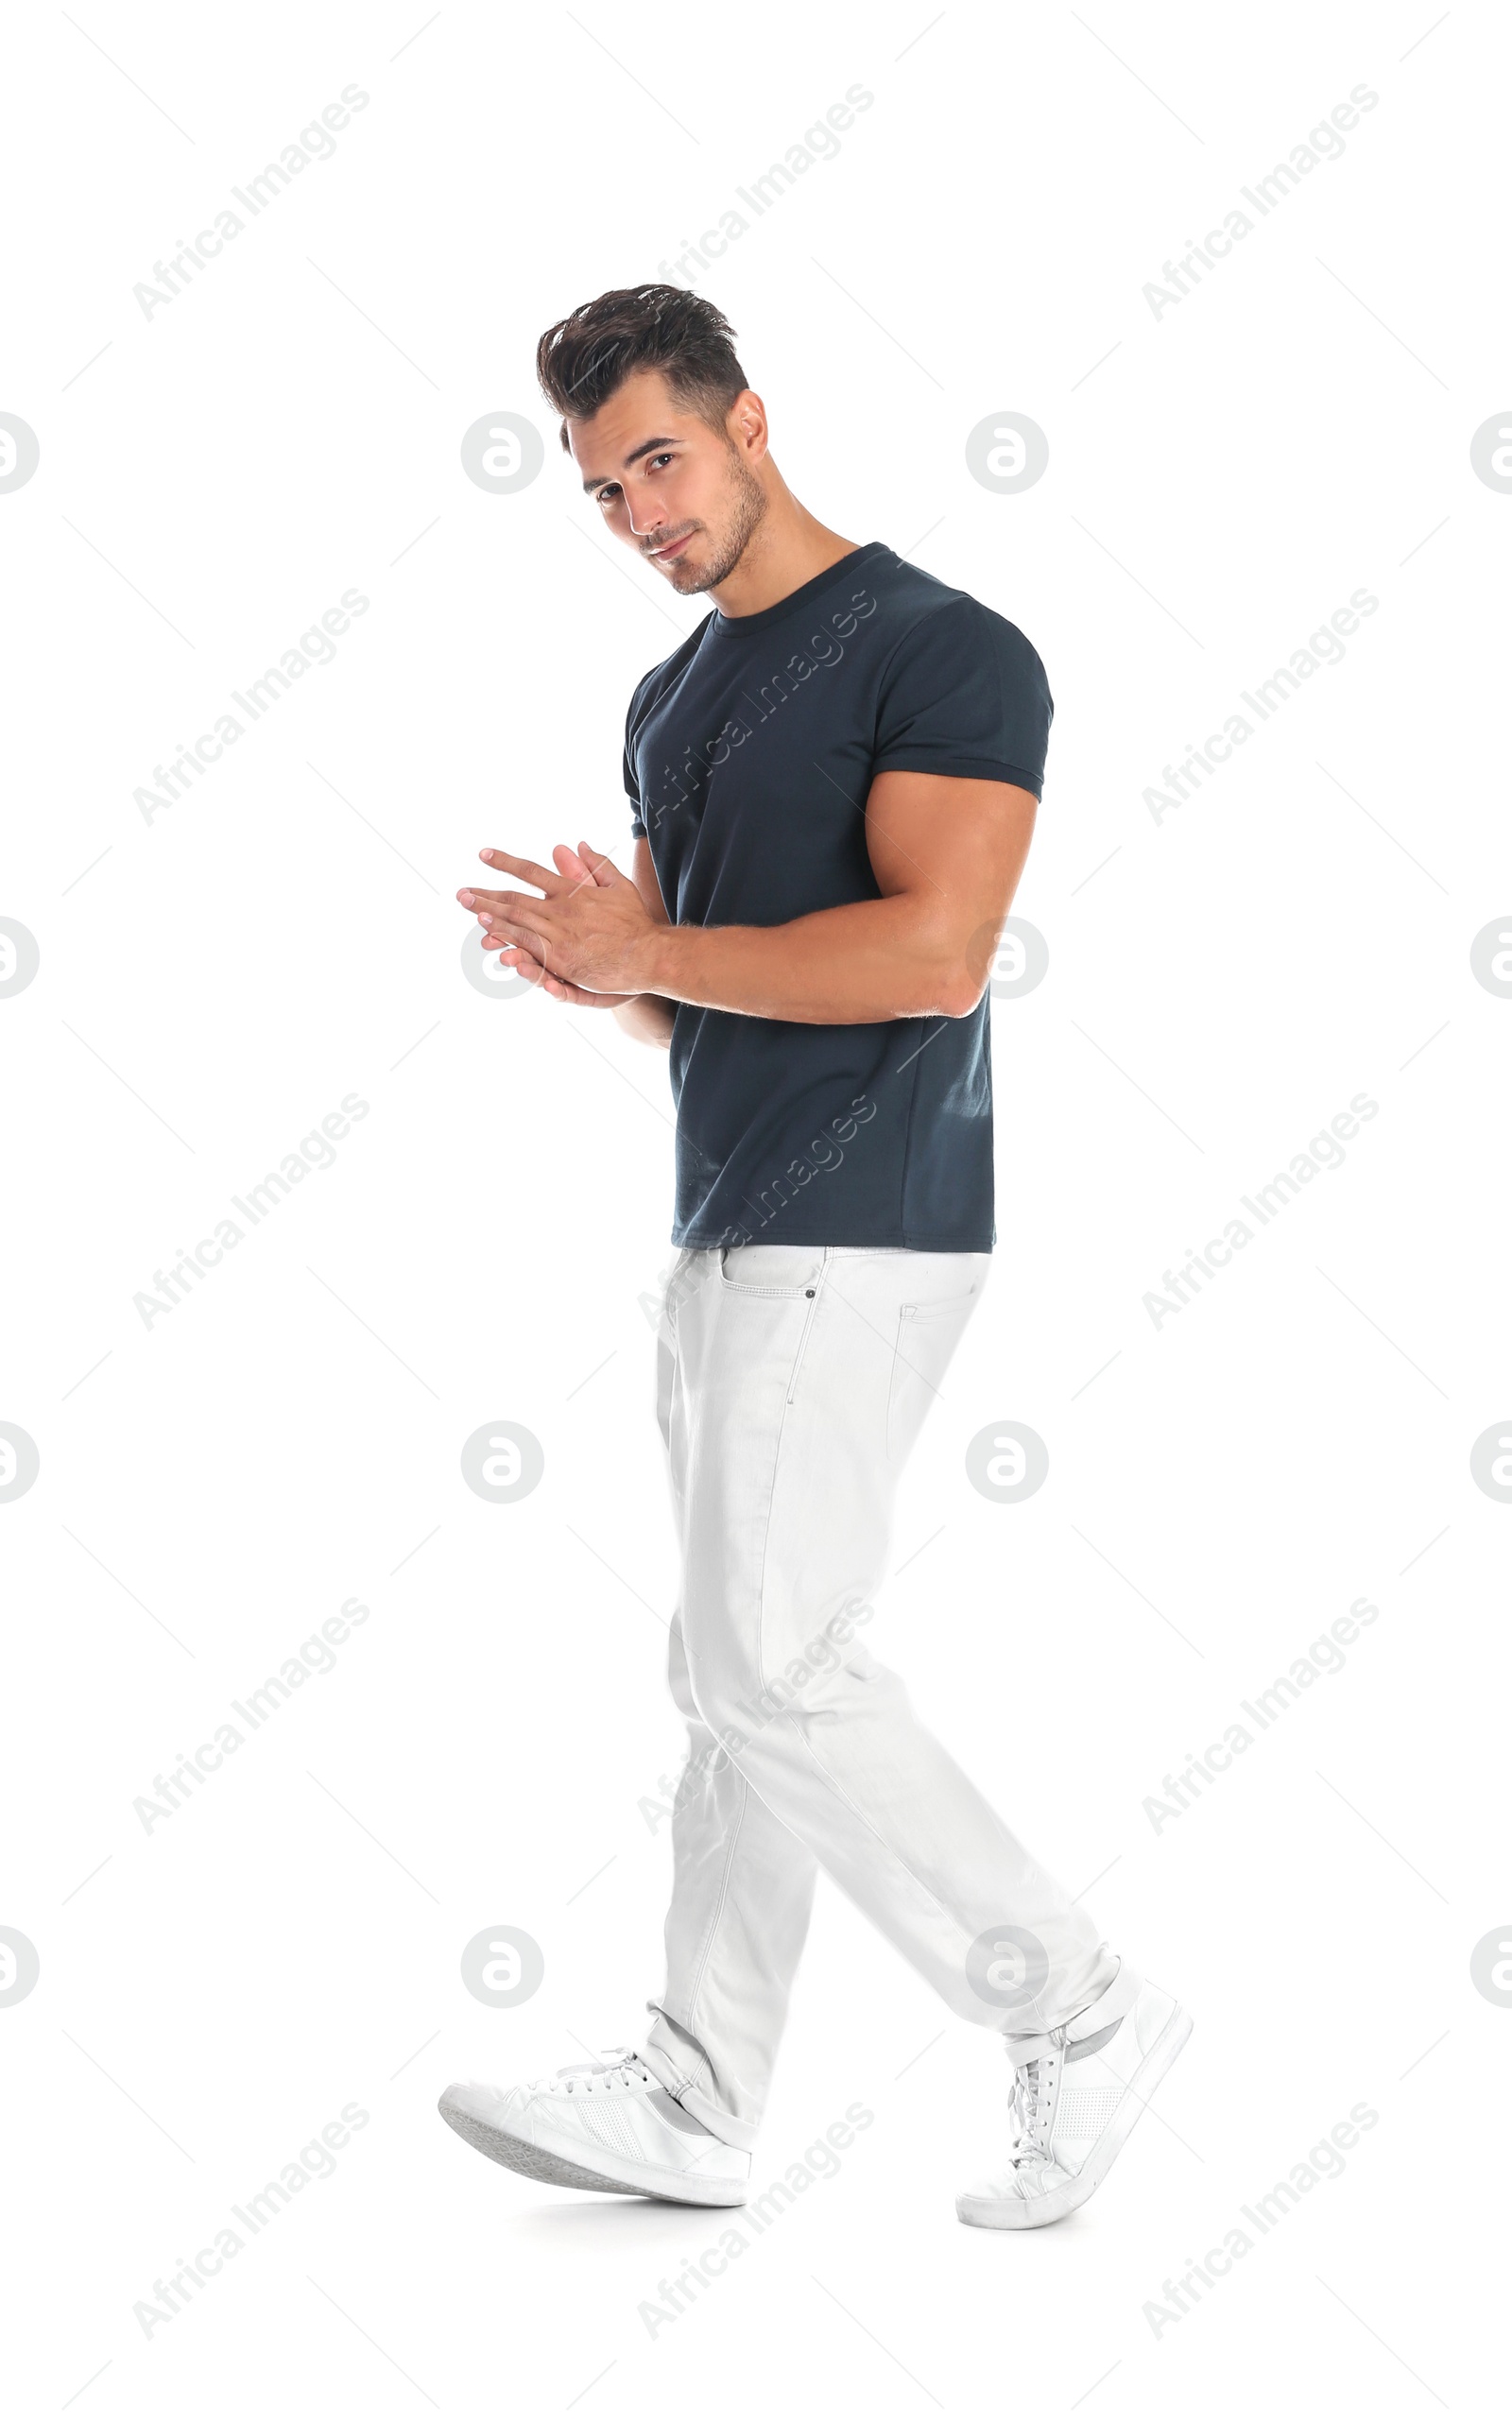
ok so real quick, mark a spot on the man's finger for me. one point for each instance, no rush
(572, 868)
(518, 908)
(525, 869)
(521, 962)
(502, 937)
(603, 869)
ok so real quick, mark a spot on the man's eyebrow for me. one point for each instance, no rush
(652, 446)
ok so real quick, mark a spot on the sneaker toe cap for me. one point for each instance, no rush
(994, 2191)
(1023, 2184)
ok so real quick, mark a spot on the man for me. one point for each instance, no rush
(833, 784)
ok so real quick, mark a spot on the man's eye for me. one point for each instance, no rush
(606, 495)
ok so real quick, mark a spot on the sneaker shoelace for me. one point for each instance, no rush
(594, 2077)
(1031, 2103)
(1033, 2097)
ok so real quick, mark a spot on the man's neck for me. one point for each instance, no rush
(787, 548)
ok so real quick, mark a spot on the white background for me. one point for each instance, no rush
(1222, 1487)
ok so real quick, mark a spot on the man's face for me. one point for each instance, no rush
(682, 494)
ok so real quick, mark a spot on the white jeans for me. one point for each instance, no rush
(793, 1382)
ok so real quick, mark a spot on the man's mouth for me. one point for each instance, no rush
(665, 554)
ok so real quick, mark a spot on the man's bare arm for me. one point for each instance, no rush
(946, 853)
(647, 1016)
(643, 1015)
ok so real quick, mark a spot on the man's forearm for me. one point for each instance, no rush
(647, 1017)
(870, 960)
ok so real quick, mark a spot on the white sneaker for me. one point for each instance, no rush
(1077, 2091)
(606, 2125)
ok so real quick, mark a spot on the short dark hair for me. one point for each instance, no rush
(595, 349)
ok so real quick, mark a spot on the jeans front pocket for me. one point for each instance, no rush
(786, 1271)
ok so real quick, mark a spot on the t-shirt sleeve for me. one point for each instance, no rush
(632, 786)
(965, 693)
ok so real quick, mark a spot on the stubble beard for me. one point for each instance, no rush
(749, 511)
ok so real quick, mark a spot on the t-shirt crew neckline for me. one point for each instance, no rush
(799, 600)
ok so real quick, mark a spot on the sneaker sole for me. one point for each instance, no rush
(557, 2170)
(979, 2212)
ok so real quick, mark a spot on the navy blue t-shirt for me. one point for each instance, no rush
(748, 754)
